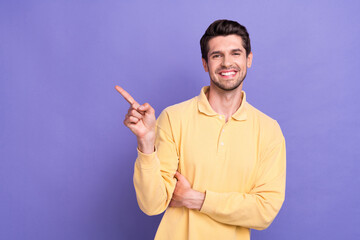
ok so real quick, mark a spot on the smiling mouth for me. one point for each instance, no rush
(228, 73)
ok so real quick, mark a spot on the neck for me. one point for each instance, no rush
(224, 102)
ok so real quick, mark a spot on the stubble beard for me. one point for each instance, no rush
(231, 87)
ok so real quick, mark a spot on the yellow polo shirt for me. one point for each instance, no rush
(239, 164)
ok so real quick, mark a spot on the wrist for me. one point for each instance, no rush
(195, 200)
(146, 145)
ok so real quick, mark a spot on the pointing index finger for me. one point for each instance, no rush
(126, 95)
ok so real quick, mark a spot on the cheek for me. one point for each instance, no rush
(213, 67)
(242, 63)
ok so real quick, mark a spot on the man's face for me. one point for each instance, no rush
(227, 62)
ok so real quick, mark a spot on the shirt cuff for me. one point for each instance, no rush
(210, 202)
(147, 161)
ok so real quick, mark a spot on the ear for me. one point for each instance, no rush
(205, 65)
(249, 60)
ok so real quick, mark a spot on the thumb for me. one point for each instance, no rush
(178, 176)
(146, 107)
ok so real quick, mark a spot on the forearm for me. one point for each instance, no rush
(257, 208)
(255, 211)
(153, 187)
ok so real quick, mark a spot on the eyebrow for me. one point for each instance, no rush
(215, 52)
(219, 52)
(237, 50)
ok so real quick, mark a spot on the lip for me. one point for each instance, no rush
(227, 71)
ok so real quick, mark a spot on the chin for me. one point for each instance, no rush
(225, 87)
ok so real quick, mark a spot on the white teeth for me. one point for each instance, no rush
(228, 73)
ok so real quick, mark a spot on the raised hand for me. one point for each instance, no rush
(141, 120)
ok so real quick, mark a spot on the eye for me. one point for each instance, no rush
(216, 56)
(236, 53)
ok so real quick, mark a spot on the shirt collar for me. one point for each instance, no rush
(205, 107)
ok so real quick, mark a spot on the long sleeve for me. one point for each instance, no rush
(154, 173)
(257, 208)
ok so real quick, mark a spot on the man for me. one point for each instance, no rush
(214, 163)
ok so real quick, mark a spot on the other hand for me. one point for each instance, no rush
(185, 196)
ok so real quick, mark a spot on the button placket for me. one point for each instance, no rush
(221, 142)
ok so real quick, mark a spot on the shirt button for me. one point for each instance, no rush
(222, 144)
(220, 117)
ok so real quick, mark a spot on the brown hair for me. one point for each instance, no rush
(223, 28)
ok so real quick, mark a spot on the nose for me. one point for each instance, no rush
(226, 61)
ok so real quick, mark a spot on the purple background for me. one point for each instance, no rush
(66, 159)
